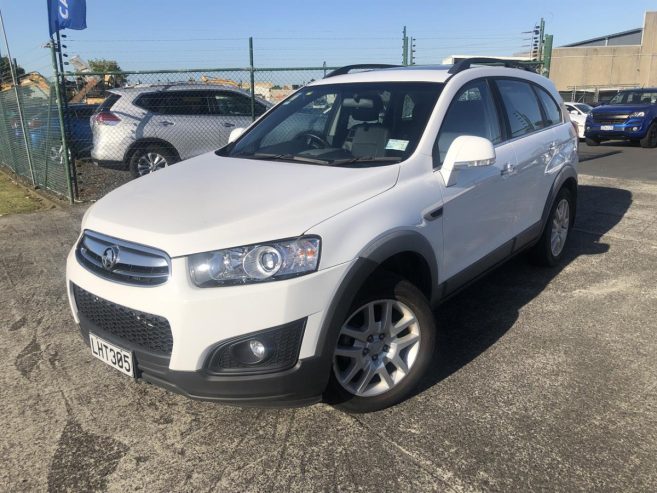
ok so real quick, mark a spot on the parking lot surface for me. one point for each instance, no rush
(545, 379)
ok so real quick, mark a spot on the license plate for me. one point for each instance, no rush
(606, 127)
(113, 355)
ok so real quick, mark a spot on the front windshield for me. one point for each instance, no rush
(584, 108)
(364, 124)
(635, 97)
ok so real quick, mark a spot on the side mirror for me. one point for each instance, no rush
(574, 112)
(235, 134)
(467, 151)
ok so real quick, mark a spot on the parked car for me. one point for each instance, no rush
(303, 259)
(149, 128)
(45, 134)
(630, 115)
(578, 113)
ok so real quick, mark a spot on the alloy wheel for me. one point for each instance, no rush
(150, 162)
(377, 347)
(560, 226)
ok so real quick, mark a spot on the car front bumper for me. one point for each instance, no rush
(631, 129)
(201, 318)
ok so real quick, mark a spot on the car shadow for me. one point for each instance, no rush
(474, 320)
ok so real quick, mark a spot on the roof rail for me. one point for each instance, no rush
(468, 62)
(362, 66)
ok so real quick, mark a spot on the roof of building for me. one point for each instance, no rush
(631, 37)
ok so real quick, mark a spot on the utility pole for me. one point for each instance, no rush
(541, 40)
(404, 48)
(547, 54)
(18, 101)
(412, 54)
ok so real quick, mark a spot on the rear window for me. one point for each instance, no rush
(150, 101)
(108, 103)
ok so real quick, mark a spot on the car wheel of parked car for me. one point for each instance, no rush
(384, 347)
(56, 154)
(550, 248)
(592, 142)
(650, 140)
(149, 159)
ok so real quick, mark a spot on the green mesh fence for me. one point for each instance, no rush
(30, 140)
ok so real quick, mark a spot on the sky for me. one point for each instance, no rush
(161, 34)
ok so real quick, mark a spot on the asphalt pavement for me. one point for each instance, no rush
(545, 380)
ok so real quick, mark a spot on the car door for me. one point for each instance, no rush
(230, 110)
(184, 120)
(532, 143)
(479, 208)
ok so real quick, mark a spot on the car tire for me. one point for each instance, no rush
(592, 142)
(551, 246)
(375, 364)
(650, 140)
(150, 158)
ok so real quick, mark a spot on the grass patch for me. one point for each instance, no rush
(15, 199)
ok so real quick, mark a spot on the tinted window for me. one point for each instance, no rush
(110, 100)
(232, 104)
(472, 112)
(552, 111)
(521, 107)
(184, 103)
(150, 101)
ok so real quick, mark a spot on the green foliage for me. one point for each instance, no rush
(5, 70)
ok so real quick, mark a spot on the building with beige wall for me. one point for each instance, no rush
(596, 68)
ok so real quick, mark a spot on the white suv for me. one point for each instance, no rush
(146, 128)
(302, 260)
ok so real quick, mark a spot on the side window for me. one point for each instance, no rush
(472, 112)
(184, 103)
(521, 106)
(552, 110)
(227, 103)
(150, 101)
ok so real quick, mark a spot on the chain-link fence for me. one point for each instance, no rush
(142, 121)
(30, 134)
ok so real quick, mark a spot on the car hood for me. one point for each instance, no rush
(211, 202)
(620, 109)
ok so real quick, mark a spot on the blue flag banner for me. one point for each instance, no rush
(67, 14)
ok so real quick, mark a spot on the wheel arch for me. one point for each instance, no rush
(148, 141)
(567, 178)
(392, 252)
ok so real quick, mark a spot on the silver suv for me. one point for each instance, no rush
(147, 128)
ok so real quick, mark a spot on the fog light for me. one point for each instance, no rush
(635, 129)
(268, 350)
(258, 349)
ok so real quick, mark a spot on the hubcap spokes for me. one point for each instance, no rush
(560, 226)
(377, 348)
(149, 162)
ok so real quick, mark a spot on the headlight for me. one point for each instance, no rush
(255, 263)
(638, 114)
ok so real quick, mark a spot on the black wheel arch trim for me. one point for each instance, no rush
(148, 141)
(567, 173)
(367, 262)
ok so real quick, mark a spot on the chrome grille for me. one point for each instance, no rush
(133, 264)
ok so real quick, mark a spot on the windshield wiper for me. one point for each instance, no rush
(284, 157)
(367, 159)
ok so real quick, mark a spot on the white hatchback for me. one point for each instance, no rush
(302, 260)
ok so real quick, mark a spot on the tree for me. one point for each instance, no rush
(103, 65)
(5, 70)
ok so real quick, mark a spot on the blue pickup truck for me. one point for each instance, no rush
(630, 115)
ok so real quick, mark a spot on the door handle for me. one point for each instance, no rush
(508, 169)
(228, 124)
(166, 123)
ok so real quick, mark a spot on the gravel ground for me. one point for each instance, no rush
(545, 381)
(95, 181)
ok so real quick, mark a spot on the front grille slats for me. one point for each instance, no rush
(149, 332)
(609, 119)
(137, 264)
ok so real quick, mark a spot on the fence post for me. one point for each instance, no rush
(19, 105)
(252, 70)
(60, 111)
